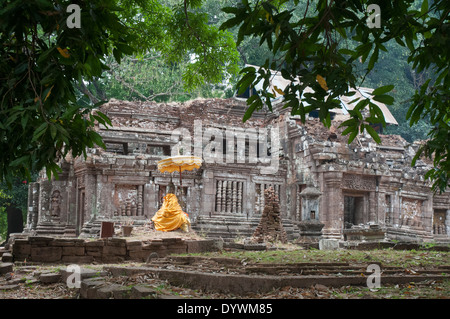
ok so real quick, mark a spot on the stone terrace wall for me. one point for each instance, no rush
(109, 250)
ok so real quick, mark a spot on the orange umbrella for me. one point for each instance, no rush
(179, 163)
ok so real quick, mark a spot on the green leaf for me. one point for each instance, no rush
(53, 131)
(97, 139)
(372, 133)
(19, 161)
(39, 131)
(255, 103)
(386, 99)
(382, 90)
(352, 136)
(424, 8)
(245, 82)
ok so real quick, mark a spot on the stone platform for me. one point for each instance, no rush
(43, 249)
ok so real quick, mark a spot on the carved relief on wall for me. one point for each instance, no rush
(55, 204)
(411, 212)
(80, 181)
(358, 182)
(439, 219)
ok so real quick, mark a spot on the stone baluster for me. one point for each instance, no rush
(257, 198)
(223, 206)
(219, 196)
(239, 203)
(229, 197)
(234, 207)
(139, 200)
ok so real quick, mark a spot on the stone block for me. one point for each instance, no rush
(207, 245)
(67, 242)
(89, 287)
(40, 240)
(107, 292)
(141, 255)
(46, 254)
(328, 244)
(134, 245)
(96, 243)
(21, 249)
(7, 257)
(255, 246)
(77, 259)
(6, 268)
(50, 278)
(94, 251)
(171, 241)
(153, 244)
(117, 242)
(122, 292)
(177, 250)
(84, 273)
(112, 259)
(142, 291)
(73, 251)
(9, 287)
(114, 250)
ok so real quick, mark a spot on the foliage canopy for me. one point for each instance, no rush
(43, 60)
(322, 47)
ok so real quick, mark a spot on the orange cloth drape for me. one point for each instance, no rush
(170, 216)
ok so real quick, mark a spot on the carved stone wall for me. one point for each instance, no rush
(358, 182)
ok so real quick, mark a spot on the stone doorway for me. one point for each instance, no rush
(354, 210)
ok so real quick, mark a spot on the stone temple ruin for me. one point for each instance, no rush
(325, 187)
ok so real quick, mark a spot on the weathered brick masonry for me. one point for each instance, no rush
(110, 250)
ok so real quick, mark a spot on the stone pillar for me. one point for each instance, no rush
(373, 210)
(91, 197)
(33, 206)
(447, 222)
(332, 205)
(427, 214)
(44, 201)
(208, 196)
(150, 199)
(396, 208)
(139, 200)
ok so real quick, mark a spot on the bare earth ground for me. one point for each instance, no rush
(28, 288)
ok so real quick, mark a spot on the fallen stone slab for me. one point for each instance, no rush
(241, 284)
(122, 292)
(7, 257)
(143, 291)
(90, 286)
(106, 292)
(9, 287)
(50, 278)
(84, 273)
(6, 268)
(328, 244)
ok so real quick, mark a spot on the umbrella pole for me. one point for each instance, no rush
(180, 176)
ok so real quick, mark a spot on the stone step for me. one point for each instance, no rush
(229, 227)
(7, 257)
(6, 268)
